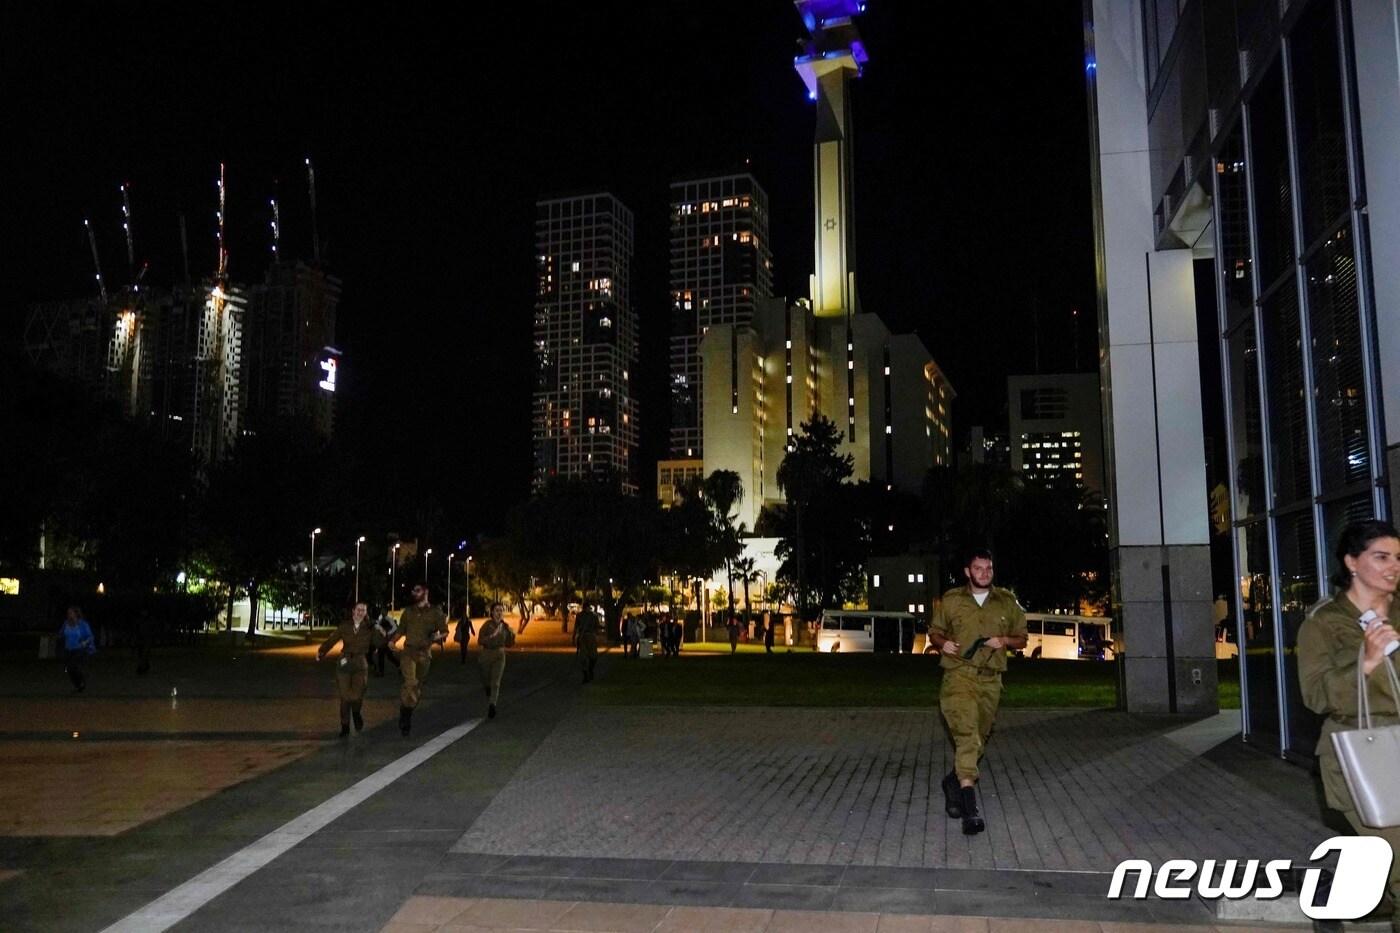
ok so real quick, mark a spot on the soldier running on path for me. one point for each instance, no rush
(972, 628)
(358, 639)
(495, 637)
(422, 625)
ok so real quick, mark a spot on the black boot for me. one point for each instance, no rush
(972, 820)
(344, 729)
(405, 719)
(952, 799)
(491, 711)
(359, 720)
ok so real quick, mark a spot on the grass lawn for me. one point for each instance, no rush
(752, 678)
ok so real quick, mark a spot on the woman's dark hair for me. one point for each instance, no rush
(1353, 542)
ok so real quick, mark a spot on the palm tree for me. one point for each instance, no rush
(745, 568)
(724, 490)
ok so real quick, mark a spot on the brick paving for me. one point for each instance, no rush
(1062, 790)
(467, 915)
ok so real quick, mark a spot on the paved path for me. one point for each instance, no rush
(1063, 790)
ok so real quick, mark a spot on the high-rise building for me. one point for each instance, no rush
(1244, 171)
(825, 355)
(721, 264)
(1056, 428)
(585, 332)
(290, 363)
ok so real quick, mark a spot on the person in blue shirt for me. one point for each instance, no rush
(76, 636)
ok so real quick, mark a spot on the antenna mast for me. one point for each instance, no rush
(96, 263)
(315, 233)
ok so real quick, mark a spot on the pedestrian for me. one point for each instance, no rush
(1332, 641)
(465, 630)
(670, 641)
(387, 629)
(78, 646)
(733, 626)
(422, 625)
(494, 638)
(632, 626)
(586, 627)
(358, 639)
(768, 632)
(972, 628)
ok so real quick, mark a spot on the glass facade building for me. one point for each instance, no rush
(1259, 120)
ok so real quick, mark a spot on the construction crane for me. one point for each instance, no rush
(315, 234)
(276, 227)
(126, 226)
(96, 263)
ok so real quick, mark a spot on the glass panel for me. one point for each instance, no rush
(1246, 421)
(1272, 192)
(1338, 378)
(1339, 513)
(1232, 206)
(1317, 118)
(1288, 418)
(1297, 574)
(1258, 649)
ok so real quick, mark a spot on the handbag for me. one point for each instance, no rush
(1370, 756)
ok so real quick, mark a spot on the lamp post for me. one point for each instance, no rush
(358, 541)
(311, 615)
(426, 554)
(393, 568)
(449, 585)
(467, 571)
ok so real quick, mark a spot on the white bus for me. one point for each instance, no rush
(1073, 638)
(847, 631)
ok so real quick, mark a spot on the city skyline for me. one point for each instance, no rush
(430, 229)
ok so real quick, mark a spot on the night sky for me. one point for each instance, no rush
(433, 134)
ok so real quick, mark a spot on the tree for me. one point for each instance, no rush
(745, 567)
(724, 490)
(260, 508)
(824, 528)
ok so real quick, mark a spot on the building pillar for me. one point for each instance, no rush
(1375, 28)
(1153, 438)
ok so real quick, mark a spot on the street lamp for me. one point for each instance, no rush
(426, 554)
(449, 585)
(467, 571)
(393, 567)
(358, 541)
(311, 615)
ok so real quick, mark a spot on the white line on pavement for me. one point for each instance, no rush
(174, 906)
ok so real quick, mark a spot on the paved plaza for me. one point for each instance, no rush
(234, 806)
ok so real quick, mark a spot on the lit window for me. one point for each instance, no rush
(875, 580)
(911, 607)
(921, 607)
(9, 586)
(911, 578)
(919, 578)
(576, 266)
(889, 429)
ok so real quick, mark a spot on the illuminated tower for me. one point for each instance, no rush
(831, 56)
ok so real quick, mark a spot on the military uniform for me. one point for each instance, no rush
(494, 638)
(1328, 644)
(420, 627)
(971, 688)
(352, 669)
(586, 627)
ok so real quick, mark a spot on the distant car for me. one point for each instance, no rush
(1070, 638)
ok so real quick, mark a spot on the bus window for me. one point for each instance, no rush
(1033, 626)
(831, 624)
(853, 625)
(1065, 629)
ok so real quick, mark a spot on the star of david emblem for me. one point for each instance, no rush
(830, 223)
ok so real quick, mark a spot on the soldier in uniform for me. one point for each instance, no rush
(1329, 643)
(358, 638)
(494, 638)
(972, 628)
(586, 626)
(421, 626)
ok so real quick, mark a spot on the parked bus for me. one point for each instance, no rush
(1073, 638)
(884, 632)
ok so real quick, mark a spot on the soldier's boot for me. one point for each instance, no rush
(491, 711)
(344, 729)
(358, 719)
(971, 818)
(405, 719)
(952, 799)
